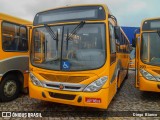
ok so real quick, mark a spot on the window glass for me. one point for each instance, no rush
(125, 45)
(150, 47)
(112, 39)
(84, 49)
(122, 43)
(14, 37)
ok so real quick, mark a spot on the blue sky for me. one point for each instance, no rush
(128, 12)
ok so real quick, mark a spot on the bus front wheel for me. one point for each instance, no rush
(9, 88)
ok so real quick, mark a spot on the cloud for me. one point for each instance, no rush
(128, 12)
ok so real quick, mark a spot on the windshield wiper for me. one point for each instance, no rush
(53, 35)
(74, 32)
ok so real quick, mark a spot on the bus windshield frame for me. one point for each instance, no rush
(65, 45)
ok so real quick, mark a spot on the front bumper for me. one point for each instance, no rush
(71, 98)
(146, 85)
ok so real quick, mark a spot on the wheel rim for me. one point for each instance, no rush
(10, 88)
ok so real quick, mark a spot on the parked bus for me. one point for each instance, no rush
(14, 59)
(148, 57)
(79, 56)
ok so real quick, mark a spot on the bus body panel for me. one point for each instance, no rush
(102, 95)
(146, 85)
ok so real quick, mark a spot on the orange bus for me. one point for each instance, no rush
(79, 56)
(14, 59)
(147, 56)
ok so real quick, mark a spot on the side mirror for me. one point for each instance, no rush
(117, 31)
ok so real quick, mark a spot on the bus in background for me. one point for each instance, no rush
(79, 56)
(132, 59)
(133, 51)
(148, 56)
(14, 59)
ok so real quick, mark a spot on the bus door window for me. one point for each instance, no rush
(121, 43)
(23, 42)
(112, 44)
(144, 51)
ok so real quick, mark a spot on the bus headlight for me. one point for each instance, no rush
(35, 81)
(96, 85)
(147, 75)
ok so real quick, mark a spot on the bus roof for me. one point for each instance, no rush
(14, 19)
(156, 18)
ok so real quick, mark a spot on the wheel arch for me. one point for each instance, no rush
(16, 73)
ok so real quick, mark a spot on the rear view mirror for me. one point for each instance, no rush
(117, 31)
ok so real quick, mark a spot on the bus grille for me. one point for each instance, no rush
(63, 86)
(63, 78)
(62, 96)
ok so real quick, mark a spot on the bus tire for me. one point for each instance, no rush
(9, 88)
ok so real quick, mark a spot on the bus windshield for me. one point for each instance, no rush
(84, 50)
(150, 48)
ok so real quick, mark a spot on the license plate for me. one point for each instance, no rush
(93, 100)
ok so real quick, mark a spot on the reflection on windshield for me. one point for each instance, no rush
(84, 50)
(150, 50)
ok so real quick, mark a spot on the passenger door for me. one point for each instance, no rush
(113, 63)
(137, 58)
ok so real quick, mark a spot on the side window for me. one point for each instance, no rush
(121, 43)
(112, 39)
(112, 44)
(128, 51)
(125, 44)
(14, 37)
